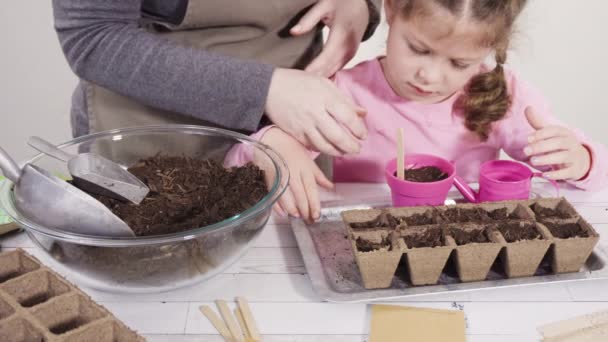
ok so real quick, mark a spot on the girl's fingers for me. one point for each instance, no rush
(312, 193)
(561, 174)
(321, 179)
(548, 133)
(549, 145)
(556, 158)
(288, 203)
(299, 194)
(279, 210)
(534, 119)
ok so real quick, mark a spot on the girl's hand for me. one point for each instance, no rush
(301, 199)
(557, 147)
(347, 22)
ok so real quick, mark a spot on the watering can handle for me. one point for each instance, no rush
(554, 183)
(48, 148)
(10, 169)
(466, 191)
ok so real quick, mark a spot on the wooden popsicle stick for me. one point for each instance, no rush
(233, 326)
(239, 318)
(400, 155)
(249, 320)
(217, 322)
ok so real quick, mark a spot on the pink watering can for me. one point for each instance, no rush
(498, 180)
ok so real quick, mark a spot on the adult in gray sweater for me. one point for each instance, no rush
(222, 63)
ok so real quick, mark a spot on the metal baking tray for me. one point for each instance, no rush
(335, 277)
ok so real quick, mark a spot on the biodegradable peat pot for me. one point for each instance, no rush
(526, 245)
(36, 304)
(573, 242)
(377, 257)
(552, 208)
(427, 253)
(477, 247)
(518, 232)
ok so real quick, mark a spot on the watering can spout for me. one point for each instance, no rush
(466, 191)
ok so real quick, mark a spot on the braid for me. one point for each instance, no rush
(487, 98)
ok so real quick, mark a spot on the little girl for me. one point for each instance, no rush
(434, 84)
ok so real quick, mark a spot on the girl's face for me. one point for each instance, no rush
(430, 58)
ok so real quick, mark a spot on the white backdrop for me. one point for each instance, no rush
(561, 47)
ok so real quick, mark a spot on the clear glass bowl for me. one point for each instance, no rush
(162, 262)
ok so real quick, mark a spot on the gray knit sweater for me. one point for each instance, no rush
(105, 44)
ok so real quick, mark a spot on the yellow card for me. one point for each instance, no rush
(391, 323)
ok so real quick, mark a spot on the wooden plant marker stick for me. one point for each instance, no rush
(248, 318)
(239, 317)
(400, 155)
(233, 326)
(216, 321)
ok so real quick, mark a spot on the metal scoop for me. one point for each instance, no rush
(96, 174)
(55, 203)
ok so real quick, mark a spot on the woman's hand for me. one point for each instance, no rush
(347, 22)
(557, 147)
(315, 112)
(301, 199)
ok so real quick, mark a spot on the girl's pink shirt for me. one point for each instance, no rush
(435, 129)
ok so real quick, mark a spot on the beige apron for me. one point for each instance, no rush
(252, 29)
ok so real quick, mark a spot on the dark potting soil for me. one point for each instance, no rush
(426, 237)
(455, 215)
(501, 214)
(364, 245)
(566, 230)
(429, 217)
(188, 193)
(517, 231)
(466, 236)
(544, 212)
(383, 220)
(425, 174)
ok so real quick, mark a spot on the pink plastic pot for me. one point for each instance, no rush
(498, 180)
(406, 194)
(501, 180)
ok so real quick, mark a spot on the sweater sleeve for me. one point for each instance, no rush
(513, 132)
(104, 43)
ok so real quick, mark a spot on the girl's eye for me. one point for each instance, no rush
(459, 65)
(418, 51)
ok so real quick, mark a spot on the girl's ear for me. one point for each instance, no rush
(389, 11)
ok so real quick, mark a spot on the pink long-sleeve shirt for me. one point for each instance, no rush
(436, 129)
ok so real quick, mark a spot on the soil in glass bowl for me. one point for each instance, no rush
(187, 193)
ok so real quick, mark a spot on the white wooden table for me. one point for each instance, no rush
(273, 277)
